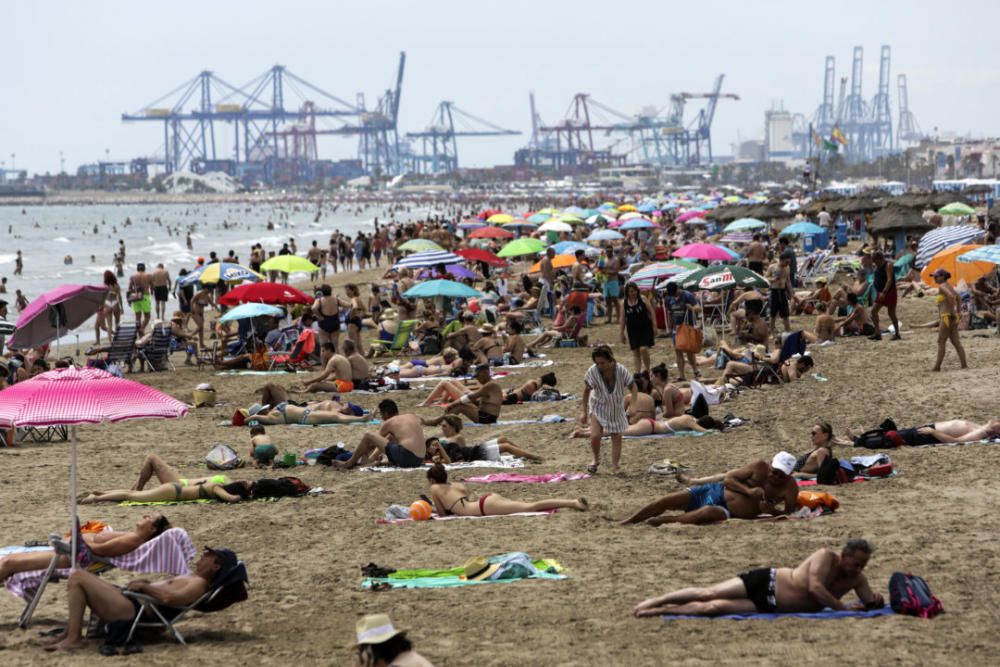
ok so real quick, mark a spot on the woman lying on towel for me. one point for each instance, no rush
(454, 499)
(107, 544)
(233, 492)
(653, 426)
(945, 432)
(451, 448)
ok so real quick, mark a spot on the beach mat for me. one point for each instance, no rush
(385, 522)
(546, 568)
(761, 616)
(210, 501)
(506, 461)
(518, 478)
(860, 478)
(247, 372)
(665, 435)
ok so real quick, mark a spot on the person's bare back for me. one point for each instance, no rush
(407, 431)
(341, 368)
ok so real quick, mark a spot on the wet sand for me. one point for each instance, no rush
(303, 555)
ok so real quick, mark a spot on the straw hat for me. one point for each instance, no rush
(389, 314)
(178, 315)
(487, 329)
(479, 568)
(821, 279)
(375, 629)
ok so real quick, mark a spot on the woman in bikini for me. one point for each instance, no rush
(808, 464)
(671, 399)
(948, 306)
(653, 426)
(451, 446)
(454, 499)
(356, 315)
(450, 362)
(327, 311)
(173, 492)
(165, 474)
(526, 391)
(645, 405)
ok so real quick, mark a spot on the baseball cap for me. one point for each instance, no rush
(226, 557)
(784, 462)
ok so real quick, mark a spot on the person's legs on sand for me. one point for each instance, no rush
(677, 501)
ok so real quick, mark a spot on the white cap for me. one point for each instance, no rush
(784, 462)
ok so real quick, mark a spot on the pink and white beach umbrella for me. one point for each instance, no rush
(706, 251)
(71, 396)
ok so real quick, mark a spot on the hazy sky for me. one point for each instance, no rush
(71, 68)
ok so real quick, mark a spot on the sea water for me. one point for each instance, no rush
(46, 235)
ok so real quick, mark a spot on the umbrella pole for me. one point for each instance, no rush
(72, 496)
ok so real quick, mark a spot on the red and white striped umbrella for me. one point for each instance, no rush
(71, 396)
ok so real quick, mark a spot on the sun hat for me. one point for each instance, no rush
(784, 462)
(389, 314)
(487, 329)
(478, 568)
(822, 279)
(375, 629)
(178, 315)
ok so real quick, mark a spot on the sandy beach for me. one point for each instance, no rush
(304, 555)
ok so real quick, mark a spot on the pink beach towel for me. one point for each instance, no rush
(169, 553)
(518, 478)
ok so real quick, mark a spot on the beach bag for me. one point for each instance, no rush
(431, 344)
(687, 339)
(222, 457)
(134, 293)
(832, 472)
(545, 394)
(817, 499)
(874, 439)
(910, 595)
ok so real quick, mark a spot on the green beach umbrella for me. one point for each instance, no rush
(420, 245)
(289, 264)
(527, 246)
(723, 277)
(957, 209)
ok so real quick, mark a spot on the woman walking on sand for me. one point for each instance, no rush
(639, 324)
(947, 303)
(604, 404)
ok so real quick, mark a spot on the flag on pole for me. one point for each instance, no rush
(838, 136)
(831, 146)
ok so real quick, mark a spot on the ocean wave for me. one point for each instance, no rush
(61, 239)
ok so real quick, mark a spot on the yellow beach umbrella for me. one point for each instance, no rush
(499, 218)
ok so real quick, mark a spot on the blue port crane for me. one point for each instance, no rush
(256, 111)
(438, 152)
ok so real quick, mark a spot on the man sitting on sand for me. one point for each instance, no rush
(400, 439)
(107, 601)
(816, 583)
(337, 373)
(481, 406)
(745, 493)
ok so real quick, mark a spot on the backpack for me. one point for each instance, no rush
(910, 595)
(222, 457)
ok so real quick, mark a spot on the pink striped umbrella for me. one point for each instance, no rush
(67, 306)
(71, 396)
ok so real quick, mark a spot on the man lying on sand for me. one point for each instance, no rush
(107, 544)
(951, 431)
(745, 493)
(311, 415)
(400, 439)
(108, 602)
(816, 583)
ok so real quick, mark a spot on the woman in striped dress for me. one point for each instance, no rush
(604, 404)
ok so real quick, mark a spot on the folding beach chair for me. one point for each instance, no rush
(122, 350)
(400, 343)
(298, 356)
(766, 373)
(228, 589)
(43, 433)
(207, 356)
(157, 355)
(167, 553)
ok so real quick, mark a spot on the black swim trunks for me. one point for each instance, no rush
(161, 293)
(401, 457)
(484, 418)
(761, 585)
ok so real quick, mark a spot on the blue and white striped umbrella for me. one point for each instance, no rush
(986, 253)
(937, 240)
(420, 260)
